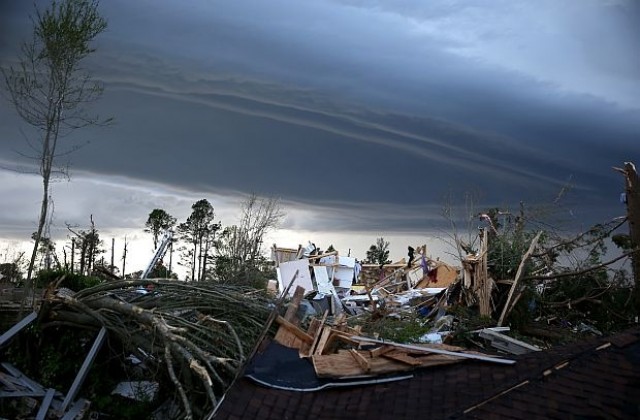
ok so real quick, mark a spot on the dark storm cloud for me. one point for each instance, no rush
(375, 110)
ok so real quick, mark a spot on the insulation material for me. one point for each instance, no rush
(322, 280)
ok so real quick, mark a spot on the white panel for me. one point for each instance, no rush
(287, 270)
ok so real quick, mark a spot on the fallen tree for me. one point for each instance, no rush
(191, 337)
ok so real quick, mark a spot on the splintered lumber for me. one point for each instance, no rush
(507, 306)
(345, 363)
(402, 357)
(364, 363)
(435, 350)
(379, 351)
(292, 309)
(317, 327)
(284, 335)
(322, 342)
(293, 329)
(314, 326)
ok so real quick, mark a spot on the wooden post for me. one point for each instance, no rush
(632, 191)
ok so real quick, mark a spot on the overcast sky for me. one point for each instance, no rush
(362, 116)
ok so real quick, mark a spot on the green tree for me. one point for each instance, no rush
(198, 232)
(379, 252)
(50, 90)
(159, 221)
(10, 272)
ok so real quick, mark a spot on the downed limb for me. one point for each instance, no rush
(581, 272)
(508, 306)
(201, 331)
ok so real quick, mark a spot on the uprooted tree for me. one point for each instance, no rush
(191, 339)
(50, 90)
(522, 266)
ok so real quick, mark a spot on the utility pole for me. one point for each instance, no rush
(73, 253)
(124, 257)
(632, 198)
(113, 250)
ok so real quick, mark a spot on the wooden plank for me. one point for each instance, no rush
(316, 336)
(17, 327)
(360, 360)
(75, 410)
(402, 357)
(343, 365)
(294, 330)
(379, 351)
(84, 369)
(21, 393)
(324, 337)
(46, 403)
(344, 337)
(285, 336)
(292, 309)
(24, 380)
(435, 350)
(314, 326)
(10, 382)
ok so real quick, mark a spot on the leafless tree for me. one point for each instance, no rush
(50, 90)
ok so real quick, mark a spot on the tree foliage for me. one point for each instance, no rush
(158, 222)
(198, 231)
(378, 253)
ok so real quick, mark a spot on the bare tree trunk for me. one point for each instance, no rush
(633, 216)
(29, 285)
(113, 250)
(73, 253)
(124, 258)
(193, 261)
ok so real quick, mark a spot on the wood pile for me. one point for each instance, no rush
(340, 351)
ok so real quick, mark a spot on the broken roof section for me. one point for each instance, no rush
(597, 378)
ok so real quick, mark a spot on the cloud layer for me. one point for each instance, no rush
(366, 113)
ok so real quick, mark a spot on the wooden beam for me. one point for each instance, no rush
(316, 336)
(324, 337)
(292, 309)
(84, 369)
(46, 403)
(434, 350)
(17, 327)
(525, 257)
(364, 364)
(379, 351)
(294, 330)
(402, 358)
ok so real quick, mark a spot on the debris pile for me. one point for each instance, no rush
(178, 346)
(182, 343)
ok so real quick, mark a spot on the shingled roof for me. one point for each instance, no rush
(597, 378)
